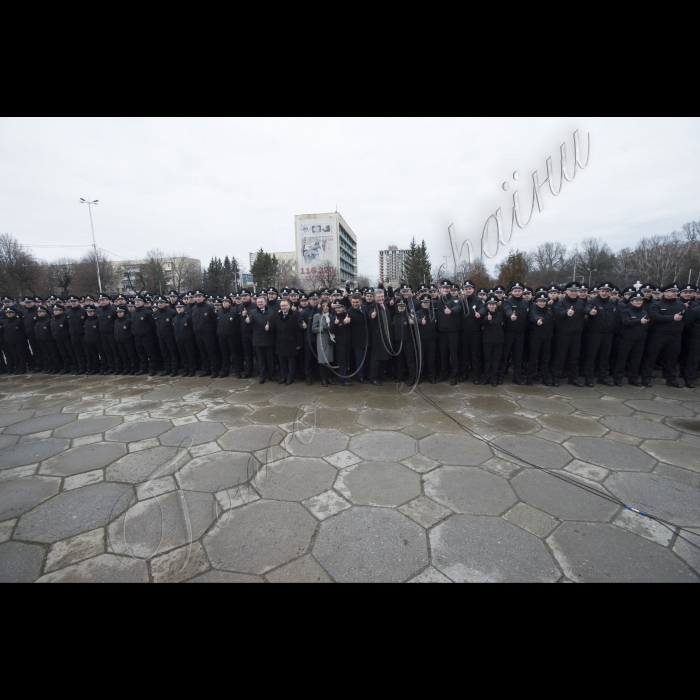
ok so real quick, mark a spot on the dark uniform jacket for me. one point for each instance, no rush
(42, 329)
(163, 319)
(662, 315)
(403, 331)
(493, 329)
(259, 319)
(359, 328)
(521, 307)
(76, 321)
(288, 335)
(569, 325)
(92, 329)
(228, 323)
(546, 330)
(59, 327)
(122, 329)
(142, 322)
(449, 323)
(605, 321)
(14, 331)
(106, 315)
(182, 325)
(204, 319)
(632, 326)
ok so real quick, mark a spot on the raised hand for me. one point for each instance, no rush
(423, 322)
(267, 327)
(514, 317)
(678, 317)
(347, 320)
(490, 317)
(374, 315)
(645, 320)
(571, 312)
(448, 312)
(304, 326)
(540, 322)
(594, 311)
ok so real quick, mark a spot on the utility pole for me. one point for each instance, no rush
(94, 245)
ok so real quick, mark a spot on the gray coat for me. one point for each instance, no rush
(324, 344)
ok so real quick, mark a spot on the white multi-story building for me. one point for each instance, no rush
(180, 274)
(326, 247)
(392, 265)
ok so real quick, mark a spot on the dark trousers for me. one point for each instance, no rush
(449, 353)
(310, 360)
(514, 343)
(111, 352)
(52, 358)
(248, 355)
(93, 350)
(377, 366)
(342, 357)
(566, 359)
(691, 365)
(599, 346)
(288, 366)
(188, 354)
(539, 354)
(629, 359)
(168, 351)
(266, 361)
(36, 360)
(470, 354)
(127, 351)
(209, 351)
(65, 347)
(428, 369)
(3, 352)
(407, 360)
(17, 358)
(146, 350)
(229, 354)
(670, 345)
(492, 361)
(360, 361)
(79, 351)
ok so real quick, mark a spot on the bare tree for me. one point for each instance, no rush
(156, 262)
(60, 275)
(184, 269)
(662, 259)
(324, 274)
(20, 271)
(548, 260)
(85, 280)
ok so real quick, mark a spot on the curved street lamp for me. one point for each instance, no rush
(94, 245)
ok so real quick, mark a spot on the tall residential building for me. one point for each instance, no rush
(326, 249)
(392, 264)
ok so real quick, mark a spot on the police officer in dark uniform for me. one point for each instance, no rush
(306, 322)
(243, 310)
(204, 324)
(516, 313)
(61, 334)
(228, 332)
(76, 317)
(635, 328)
(470, 342)
(448, 311)
(15, 341)
(602, 314)
(405, 334)
(107, 316)
(569, 314)
(125, 341)
(493, 339)
(35, 357)
(541, 334)
(184, 337)
(49, 350)
(666, 333)
(143, 329)
(93, 342)
(163, 317)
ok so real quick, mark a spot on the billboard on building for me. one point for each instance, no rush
(317, 243)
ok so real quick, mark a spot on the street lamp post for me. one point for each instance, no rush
(590, 276)
(94, 245)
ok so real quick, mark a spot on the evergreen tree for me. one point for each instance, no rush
(516, 267)
(417, 265)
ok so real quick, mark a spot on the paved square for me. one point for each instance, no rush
(154, 480)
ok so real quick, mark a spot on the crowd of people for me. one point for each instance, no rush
(435, 333)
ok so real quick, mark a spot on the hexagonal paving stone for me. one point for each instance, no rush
(138, 430)
(658, 496)
(161, 524)
(88, 405)
(31, 452)
(20, 563)
(260, 537)
(275, 415)
(680, 454)
(381, 484)
(86, 458)
(383, 447)
(295, 479)
(225, 577)
(88, 426)
(166, 394)
(304, 570)
(610, 454)
(129, 407)
(336, 418)
(193, 434)
(40, 425)
(296, 398)
(469, 490)
(103, 569)
(592, 553)
(506, 423)
(218, 472)
(73, 512)
(385, 420)
(371, 545)
(455, 450)
(640, 428)
(572, 425)
(21, 495)
(169, 412)
(251, 438)
(546, 406)
(227, 413)
(492, 404)
(8, 441)
(7, 419)
(661, 408)
(599, 408)
(473, 549)
(315, 443)
(534, 450)
(438, 422)
(560, 499)
(138, 467)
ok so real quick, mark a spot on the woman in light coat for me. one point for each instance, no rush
(322, 328)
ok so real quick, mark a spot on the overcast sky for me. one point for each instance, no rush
(229, 186)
